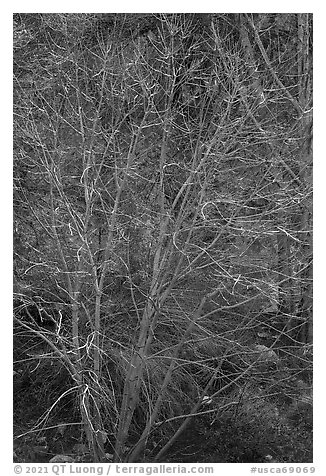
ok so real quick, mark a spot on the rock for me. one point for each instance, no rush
(269, 459)
(80, 449)
(62, 459)
(263, 334)
(266, 355)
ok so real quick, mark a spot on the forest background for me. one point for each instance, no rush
(244, 326)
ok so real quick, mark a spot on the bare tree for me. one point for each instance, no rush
(155, 194)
